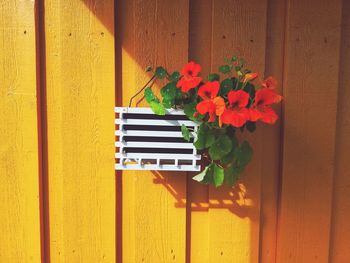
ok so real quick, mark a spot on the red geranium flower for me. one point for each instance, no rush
(261, 109)
(189, 79)
(212, 104)
(236, 114)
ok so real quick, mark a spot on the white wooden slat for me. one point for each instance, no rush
(141, 159)
(163, 145)
(144, 110)
(164, 167)
(154, 122)
(161, 156)
(150, 133)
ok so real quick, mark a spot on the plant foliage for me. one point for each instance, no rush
(222, 108)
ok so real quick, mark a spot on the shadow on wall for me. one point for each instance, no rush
(101, 9)
(236, 199)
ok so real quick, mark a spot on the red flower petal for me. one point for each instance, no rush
(191, 69)
(268, 115)
(269, 83)
(236, 118)
(211, 116)
(227, 116)
(209, 90)
(240, 117)
(205, 106)
(266, 96)
(239, 98)
(254, 114)
(187, 83)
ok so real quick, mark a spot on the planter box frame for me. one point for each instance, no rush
(146, 141)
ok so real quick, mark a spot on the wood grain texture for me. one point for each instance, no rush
(200, 37)
(310, 90)
(340, 228)
(292, 204)
(272, 135)
(19, 173)
(239, 28)
(154, 208)
(80, 99)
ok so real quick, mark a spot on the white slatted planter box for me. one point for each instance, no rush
(146, 141)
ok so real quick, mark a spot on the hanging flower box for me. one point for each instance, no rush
(147, 141)
(196, 114)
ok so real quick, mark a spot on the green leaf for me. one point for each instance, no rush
(179, 94)
(185, 132)
(149, 69)
(205, 176)
(232, 175)
(234, 58)
(157, 108)
(168, 103)
(213, 77)
(160, 73)
(149, 95)
(251, 126)
(205, 137)
(224, 69)
(168, 92)
(189, 110)
(219, 175)
(220, 147)
(225, 86)
(175, 76)
(230, 157)
(238, 69)
(244, 154)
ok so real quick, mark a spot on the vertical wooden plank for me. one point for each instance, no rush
(154, 210)
(239, 28)
(200, 37)
(340, 228)
(80, 121)
(19, 174)
(125, 31)
(310, 89)
(200, 34)
(271, 145)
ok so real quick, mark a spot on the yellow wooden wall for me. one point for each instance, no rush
(64, 64)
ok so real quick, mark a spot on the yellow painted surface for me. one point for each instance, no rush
(19, 173)
(154, 210)
(308, 152)
(80, 130)
(292, 204)
(234, 229)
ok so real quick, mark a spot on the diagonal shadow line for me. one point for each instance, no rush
(229, 200)
(95, 5)
(113, 25)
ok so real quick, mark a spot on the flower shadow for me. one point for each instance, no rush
(201, 198)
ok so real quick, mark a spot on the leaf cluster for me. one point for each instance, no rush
(225, 155)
